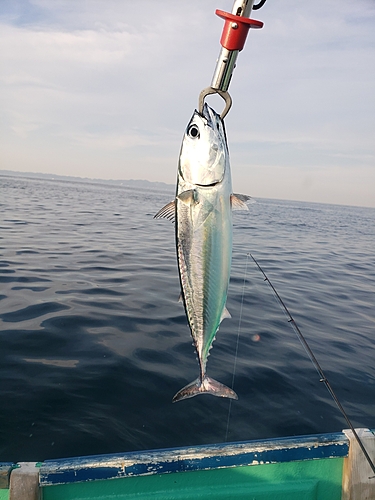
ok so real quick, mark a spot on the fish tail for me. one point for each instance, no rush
(206, 385)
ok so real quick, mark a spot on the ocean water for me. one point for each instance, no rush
(94, 344)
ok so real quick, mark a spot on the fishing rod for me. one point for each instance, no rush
(236, 28)
(318, 368)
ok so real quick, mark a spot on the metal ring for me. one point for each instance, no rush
(225, 95)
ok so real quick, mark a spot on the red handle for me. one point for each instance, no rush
(236, 29)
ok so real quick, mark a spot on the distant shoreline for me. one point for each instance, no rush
(144, 184)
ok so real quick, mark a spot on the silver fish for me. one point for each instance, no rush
(202, 211)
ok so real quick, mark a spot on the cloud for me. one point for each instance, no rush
(349, 186)
(108, 88)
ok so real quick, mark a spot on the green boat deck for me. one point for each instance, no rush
(318, 467)
(284, 481)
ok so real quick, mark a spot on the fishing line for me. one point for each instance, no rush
(237, 344)
(317, 366)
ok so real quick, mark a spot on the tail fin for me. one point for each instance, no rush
(206, 386)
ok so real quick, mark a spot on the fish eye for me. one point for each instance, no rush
(193, 132)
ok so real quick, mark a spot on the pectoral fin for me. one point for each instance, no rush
(188, 197)
(238, 201)
(167, 212)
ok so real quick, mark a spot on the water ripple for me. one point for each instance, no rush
(94, 343)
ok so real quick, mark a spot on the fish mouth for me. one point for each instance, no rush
(209, 118)
(212, 184)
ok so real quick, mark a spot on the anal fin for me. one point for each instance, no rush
(225, 314)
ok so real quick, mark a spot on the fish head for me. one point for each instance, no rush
(204, 151)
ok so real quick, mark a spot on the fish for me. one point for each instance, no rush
(202, 212)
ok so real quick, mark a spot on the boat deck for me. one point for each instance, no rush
(318, 467)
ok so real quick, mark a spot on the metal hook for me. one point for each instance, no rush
(224, 95)
(259, 5)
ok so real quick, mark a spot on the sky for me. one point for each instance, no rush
(105, 88)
